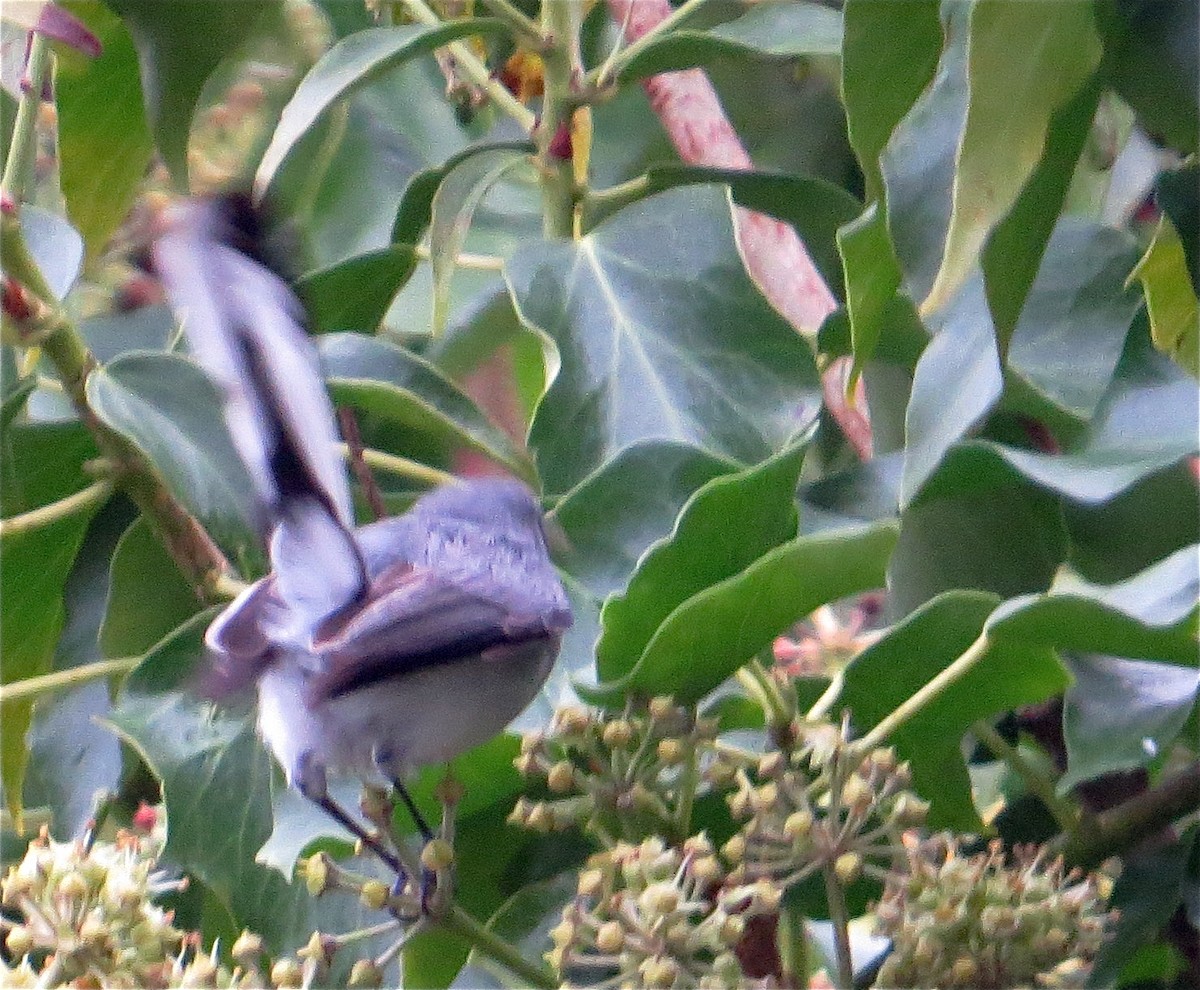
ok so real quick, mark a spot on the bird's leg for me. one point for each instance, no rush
(311, 782)
(392, 770)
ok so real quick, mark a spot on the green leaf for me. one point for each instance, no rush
(1171, 297)
(179, 45)
(41, 465)
(613, 516)
(1023, 64)
(1152, 61)
(148, 328)
(872, 278)
(55, 245)
(1148, 616)
(1072, 330)
(381, 378)
(1177, 195)
(355, 294)
(416, 205)
(1120, 714)
(104, 142)
(724, 527)
(772, 30)
(353, 62)
(814, 207)
(918, 162)
(451, 212)
(889, 54)
(956, 383)
(976, 531)
(715, 632)
(167, 406)
(910, 655)
(148, 597)
(661, 336)
(216, 784)
(1014, 249)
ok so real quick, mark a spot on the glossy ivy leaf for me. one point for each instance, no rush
(216, 784)
(661, 336)
(715, 632)
(1171, 297)
(42, 464)
(773, 30)
(451, 212)
(1004, 133)
(378, 377)
(911, 654)
(416, 205)
(1147, 421)
(889, 54)
(917, 163)
(104, 141)
(143, 573)
(956, 383)
(352, 63)
(71, 755)
(724, 527)
(814, 207)
(1073, 326)
(613, 516)
(1120, 713)
(148, 328)
(179, 45)
(872, 277)
(55, 245)
(168, 407)
(355, 294)
(1148, 616)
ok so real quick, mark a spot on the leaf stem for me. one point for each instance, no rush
(402, 467)
(475, 70)
(839, 916)
(1065, 813)
(562, 68)
(95, 494)
(476, 262)
(525, 28)
(491, 945)
(600, 204)
(615, 65)
(958, 669)
(22, 149)
(62, 680)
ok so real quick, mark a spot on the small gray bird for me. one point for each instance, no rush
(379, 649)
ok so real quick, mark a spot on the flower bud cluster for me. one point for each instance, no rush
(600, 769)
(649, 915)
(821, 806)
(989, 921)
(88, 918)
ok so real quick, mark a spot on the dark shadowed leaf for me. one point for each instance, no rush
(632, 307)
(1122, 713)
(355, 294)
(910, 655)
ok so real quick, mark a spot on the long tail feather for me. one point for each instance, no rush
(246, 328)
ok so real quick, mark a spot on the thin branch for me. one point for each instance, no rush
(366, 481)
(523, 27)
(95, 494)
(402, 467)
(475, 262)
(839, 917)
(1037, 783)
(617, 62)
(475, 70)
(491, 945)
(62, 680)
(22, 150)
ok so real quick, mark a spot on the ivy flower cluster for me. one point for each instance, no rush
(990, 920)
(821, 806)
(651, 915)
(623, 775)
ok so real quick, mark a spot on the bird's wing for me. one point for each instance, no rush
(239, 649)
(412, 619)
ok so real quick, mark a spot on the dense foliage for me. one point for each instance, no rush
(942, 341)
